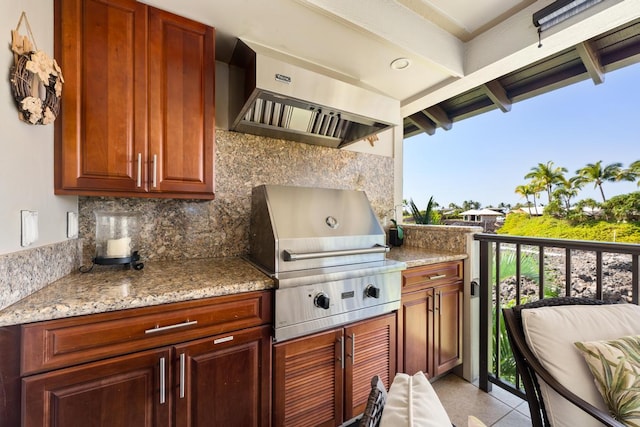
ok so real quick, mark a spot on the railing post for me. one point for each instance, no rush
(485, 310)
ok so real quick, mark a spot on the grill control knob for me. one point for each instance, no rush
(372, 292)
(321, 300)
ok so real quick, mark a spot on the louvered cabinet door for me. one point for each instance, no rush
(370, 348)
(308, 381)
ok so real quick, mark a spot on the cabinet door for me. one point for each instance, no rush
(370, 350)
(224, 380)
(416, 316)
(308, 380)
(100, 136)
(181, 104)
(119, 392)
(448, 337)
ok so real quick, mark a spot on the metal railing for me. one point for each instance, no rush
(515, 270)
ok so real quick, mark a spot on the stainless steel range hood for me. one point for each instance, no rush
(273, 97)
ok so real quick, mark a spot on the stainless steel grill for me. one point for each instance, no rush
(325, 249)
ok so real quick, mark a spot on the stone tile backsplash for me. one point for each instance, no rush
(180, 229)
(25, 272)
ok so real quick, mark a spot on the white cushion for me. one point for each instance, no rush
(551, 332)
(412, 401)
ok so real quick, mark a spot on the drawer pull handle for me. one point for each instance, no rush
(166, 328)
(223, 340)
(437, 276)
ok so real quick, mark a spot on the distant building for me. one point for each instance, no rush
(529, 210)
(481, 215)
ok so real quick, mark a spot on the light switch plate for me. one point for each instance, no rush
(29, 227)
(72, 225)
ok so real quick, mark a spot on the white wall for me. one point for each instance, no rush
(26, 151)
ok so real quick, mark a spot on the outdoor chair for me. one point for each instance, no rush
(410, 401)
(595, 320)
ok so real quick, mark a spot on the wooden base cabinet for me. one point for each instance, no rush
(324, 379)
(219, 375)
(119, 392)
(225, 380)
(430, 319)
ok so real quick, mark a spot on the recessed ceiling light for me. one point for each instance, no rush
(400, 63)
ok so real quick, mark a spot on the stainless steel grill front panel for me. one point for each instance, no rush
(297, 315)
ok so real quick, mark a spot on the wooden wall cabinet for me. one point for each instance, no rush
(324, 379)
(221, 377)
(430, 319)
(137, 114)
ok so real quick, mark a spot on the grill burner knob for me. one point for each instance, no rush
(321, 300)
(372, 292)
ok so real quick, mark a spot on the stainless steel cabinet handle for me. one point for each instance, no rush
(438, 276)
(439, 304)
(353, 349)
(166, 328)
(155, 170)
(342, 352)
(162, 380)
(182, 375)
(139, 178)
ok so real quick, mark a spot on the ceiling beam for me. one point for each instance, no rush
(495, 91)
(591, 61)
(415, 33)
(423, 122)
(439, 117)
(512, 44)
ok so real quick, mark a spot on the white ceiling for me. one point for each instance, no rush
(453, 45)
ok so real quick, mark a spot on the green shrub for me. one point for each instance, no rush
(554, 228)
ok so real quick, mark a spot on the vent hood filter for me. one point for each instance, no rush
(272, 97)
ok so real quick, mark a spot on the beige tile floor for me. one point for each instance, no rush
(498, 408)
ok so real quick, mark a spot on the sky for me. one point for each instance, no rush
(485, 157)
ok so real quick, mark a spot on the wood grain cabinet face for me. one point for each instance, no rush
(197, 378)
(324, 379)
(118, 392)
(224, 380)
(138, 113)
(431, 319)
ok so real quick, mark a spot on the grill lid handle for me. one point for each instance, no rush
(292, 256)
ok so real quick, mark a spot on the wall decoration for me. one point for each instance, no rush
(36, 79)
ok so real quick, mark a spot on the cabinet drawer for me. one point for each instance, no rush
(64, 342)
(417, 278)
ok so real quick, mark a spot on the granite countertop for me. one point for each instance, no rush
(109, 289)
(415, 257)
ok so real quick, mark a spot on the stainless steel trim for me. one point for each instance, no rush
(436, 277)
(342, 352)
(293, 256)
(139, 178)
(155, 170)
(305, 328)
(162, 380)
(182, 376)
(165, 328)
(353, 349)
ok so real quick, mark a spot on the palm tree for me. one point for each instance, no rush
(634, 171)
(567, 189)
(547, 175)
(594, 172)
(525, 191)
